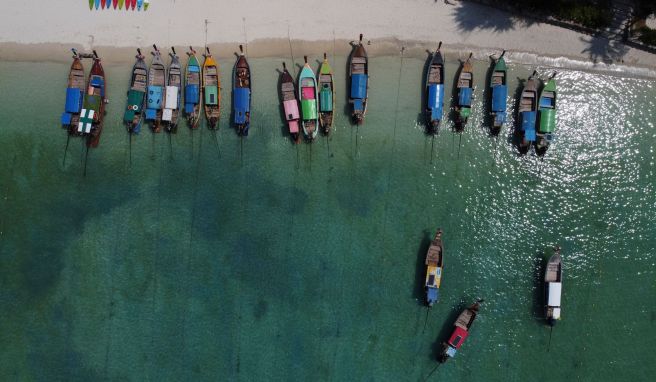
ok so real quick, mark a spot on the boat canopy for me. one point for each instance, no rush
(309, 108)
(154, 97)
(242, 104)
(167, 115)
(465, 96)
(547, 120)
(499, 95)
(93, 102)
(171, 100)
(326, 99)
(547, 102)
(191, 97)
(358, 105)
(193, 68)
(293, 127)
(432, 295)
(458, 337)
(528, 125)
(291, 109)
(436, 100)
(211, 95)
(556, 314)
(135, 99)
(73, 100)
(359, 86)
(555, 290)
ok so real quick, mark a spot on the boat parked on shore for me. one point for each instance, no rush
(359, 86)
(173, 93)
(527, 114)
(211, 90)
(241, 92)
(132, 117)
(75, 90)
(192, 89)
(460, 332)
(434, 262)
(290, 103)
(326, 95)
(307, 90)
(547, 116)
(156, 90)
(465, 92)
(553, 285)
(499, 90)
(435, 91)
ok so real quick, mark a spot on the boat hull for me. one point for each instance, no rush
(434, 93)
(359, 83)
(241, 91)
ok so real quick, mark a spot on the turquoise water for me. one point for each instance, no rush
(205, 259)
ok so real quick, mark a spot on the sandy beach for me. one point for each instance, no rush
(46, 30)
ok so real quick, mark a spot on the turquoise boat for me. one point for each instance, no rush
(307, 89)
(547, 116)
(465, 93)
(359, 82)
(192, 89)
(499, 91)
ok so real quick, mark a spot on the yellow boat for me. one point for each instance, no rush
(434, 261)
(211, 90)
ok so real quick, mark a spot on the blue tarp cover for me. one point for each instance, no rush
(189, 108)
(436, 100)
(194, 69)
(546, 102)
(191, 94)
(432, 295)
(242, 104)
(359, 86)
(499, 94)
(66, 118)
(464, 96)
(528, 125)
(154, 97)
(500, 118)
(151, 113)
(326, 100)
(357, 105)
(96, 81)
(73, 100)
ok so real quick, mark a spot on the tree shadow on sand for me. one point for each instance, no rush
(601, 49)
(470, 16)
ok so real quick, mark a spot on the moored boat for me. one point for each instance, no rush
(155, 96)
(553, 285)
(499, 91)
(465, 87)
(120, 4)
(211, 90)
(435, 91)
(527, 114)
(290, 103)
(75, 90)
(326, 95)
(547, 115)
(93, 112)
(434, 262)
(133, 115)
(359, 87)
(192, 89)
(307, 90)
(460, 332)
(172, 97)
(241, 93)
(139, 4)
(115, 3)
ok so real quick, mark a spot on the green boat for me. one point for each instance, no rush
(465, 91)
(307, 90)
(547, 115)
(326, 95)
(499, 91)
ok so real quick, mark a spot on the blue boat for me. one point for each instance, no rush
(435, 91)
(359, 75)
(465, 93)
(527, 114)
(434, 264)
(74, 96)
(155, 92)
(499, 90)
(241, 93)
(139, 4)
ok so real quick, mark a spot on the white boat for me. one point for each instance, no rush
(553, 286)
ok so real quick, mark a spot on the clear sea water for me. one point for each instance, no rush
(214, 259)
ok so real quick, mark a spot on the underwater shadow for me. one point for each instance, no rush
(445, 331)
(514, 134)
(538, 264)
(488, 120)
(418, 292)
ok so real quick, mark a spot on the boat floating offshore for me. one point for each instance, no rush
(74, 96)
(173, 90)
(307, 90)
(326, 95)
(547, 116)
(434, 261)
(527, 114)
(359, 87)
(192, 89)
(211, 90)
(465, 87)
(435, 91)
(93, 111)
(290, 103)
(156, 90)
(499, 91)
(460, 332)
(241, 92)
(553, 285)
(133, 115)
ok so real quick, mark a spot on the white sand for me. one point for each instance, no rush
(419, 23)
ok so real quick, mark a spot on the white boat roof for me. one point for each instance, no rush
(556, 313)
(555, 289)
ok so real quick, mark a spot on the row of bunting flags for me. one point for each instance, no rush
(129, 4)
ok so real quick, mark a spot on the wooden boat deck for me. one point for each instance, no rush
(435, 75)
(77, 79)
(139, 82)
(465, 80)
(465, 319)
(287, 89)
(157, 76)
(210, 76)
(325, 78)
(358, 65)
(497, 78)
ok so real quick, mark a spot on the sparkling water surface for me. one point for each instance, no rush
(208, 257)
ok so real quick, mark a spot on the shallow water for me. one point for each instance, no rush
(211, 257)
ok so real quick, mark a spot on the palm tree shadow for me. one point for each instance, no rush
(469, 17)
(601, 49)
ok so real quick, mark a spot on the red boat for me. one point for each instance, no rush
(460, 332)
(94, 102)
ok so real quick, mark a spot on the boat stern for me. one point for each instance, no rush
(432, 295)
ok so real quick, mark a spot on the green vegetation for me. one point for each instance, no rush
(647, 35)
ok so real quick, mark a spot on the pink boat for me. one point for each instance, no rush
(290, 103)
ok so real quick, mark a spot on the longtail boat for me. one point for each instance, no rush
(460, 332)
(241, 93)
(465, 93)
(499, 91)
(553, 284)
(547, 109)
(527, 113)
(290, 103)
(435, 91)
(326, 95)
(133, 115)
(115, 3)
(93, 112)
(139, 4)
(74, 95)
(434, 261)
(146, 4)
(102, 4)
(120, 4)
(211, 90)
(91, 3)
(155, 92)
(192, 89)
(359, 75)
(307, 90)
(172, 97)
(133, 4)
(96, 3)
